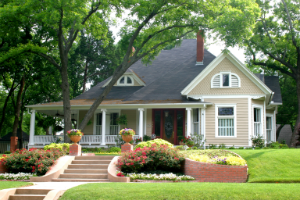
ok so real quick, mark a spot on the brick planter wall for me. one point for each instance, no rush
(206, 172)
(2, 168)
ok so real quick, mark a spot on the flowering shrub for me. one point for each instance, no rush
(151, 158)
(158, 142)
(61, 146)
(127, 131)
(120, 174)
(3, 157)
(31, 161)
(137, 140)
(223, 160)
(169, 176)
(18, 176)
(76, 132)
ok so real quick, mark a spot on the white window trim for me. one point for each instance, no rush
(272, 127)
(261, 117)
(125, 81)
(216, 120)
(221, 80)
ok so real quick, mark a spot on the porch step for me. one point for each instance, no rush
(88, 166)
(91, 162)
(78, 180)
(85, 171)
(84, 176)
(29, 194)
(94, 157)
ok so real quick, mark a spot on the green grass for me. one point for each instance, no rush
(13, 184)
(184, 191)
(272, 165)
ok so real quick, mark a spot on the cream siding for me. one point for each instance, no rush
(241, 133)
(88, 130)
(131, 118)
(247, 86)
(270, 111)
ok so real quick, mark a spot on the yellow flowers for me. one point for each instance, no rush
(228, 160)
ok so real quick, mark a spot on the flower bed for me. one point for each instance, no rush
(18, 176)
(159, 177)
(33, 161)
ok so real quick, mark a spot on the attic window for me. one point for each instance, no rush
(225, 80)
(125, 81)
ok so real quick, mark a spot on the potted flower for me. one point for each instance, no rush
(127, 134)
(189, 143)
(75, 135)
(137, 140)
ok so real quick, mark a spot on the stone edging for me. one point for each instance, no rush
(112, 172)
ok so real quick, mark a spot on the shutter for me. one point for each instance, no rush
(234, 81)
(216, 82)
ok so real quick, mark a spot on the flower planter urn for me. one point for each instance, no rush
(75, 138)
(190, 145)
(127, 138)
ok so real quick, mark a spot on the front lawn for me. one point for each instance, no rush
(184, 191)
(272, 165)
(13, 184)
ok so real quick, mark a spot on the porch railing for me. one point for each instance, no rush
(47, 139)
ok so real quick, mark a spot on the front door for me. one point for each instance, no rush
(169, 124)
(168, 128)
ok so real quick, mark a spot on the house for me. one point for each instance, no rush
(5, 141)
(184, 91)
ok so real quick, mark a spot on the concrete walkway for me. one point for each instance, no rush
(54, 185)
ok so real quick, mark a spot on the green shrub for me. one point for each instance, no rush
(158, 142)
(194, 148)
(241, 147)
(61, 146)
(31, 161)
(212, 146)
(257, 148)
(146, 138)
(114, 149)
(151, 158)
(258, 142)
(222, 146)
(232, 147)
(277, 145)
(6, 152)
(179, 147)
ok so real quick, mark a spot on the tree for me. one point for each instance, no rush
(276, 39)
(150, 27)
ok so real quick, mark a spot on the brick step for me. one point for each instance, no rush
(86, 171)
(91, 161)
(32, 191)
(27, 197)
(78, 180)
(88, 166)
(84, 176)
(94, 157)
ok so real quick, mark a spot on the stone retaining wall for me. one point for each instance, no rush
(206, 172)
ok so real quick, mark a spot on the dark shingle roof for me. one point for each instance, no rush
(7, 136)
(273, 83)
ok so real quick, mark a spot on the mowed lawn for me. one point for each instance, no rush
(272, 165)
(13, 184)
(184, 191)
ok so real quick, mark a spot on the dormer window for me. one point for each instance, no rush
(125, 80)
(225, 80)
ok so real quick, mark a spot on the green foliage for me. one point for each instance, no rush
(65, 147)
(114, 149)
(222, 146)
(6, 152)
(258, 142)
(212, 146)
(276, 145)
(241, 147)
(122, 120)
(151, 158)
(32, 161)
(232, 147)
(146, 138)
(180, 147)
(149, 143)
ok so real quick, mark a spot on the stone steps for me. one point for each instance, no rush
(29, 194)
(86, 169)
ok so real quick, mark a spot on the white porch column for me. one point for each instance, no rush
(103, 125)
(203, 126)
(141, 122)
(32, 125)
(188, 122)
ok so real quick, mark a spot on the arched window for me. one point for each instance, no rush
(125, 81)
(225, 80)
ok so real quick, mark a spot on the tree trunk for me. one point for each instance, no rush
(295, 135)
(85, 76)
(278, 131)
(21, 131)
(17, 111)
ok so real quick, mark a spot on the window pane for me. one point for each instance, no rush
(257, 115)
(226, 127)
(122, 80)
(225, 79)
(99, 119)
(113, 118)
(157, 122)
(129, 81)
(225, 111)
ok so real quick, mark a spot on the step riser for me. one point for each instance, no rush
(26, 197)
(32, 191)
(87, 166)
(86, 171)
(84, 176)
(91, 162)
(94, 157)
(80, 180)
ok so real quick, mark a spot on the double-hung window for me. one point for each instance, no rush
(226, 120)
(257, 122)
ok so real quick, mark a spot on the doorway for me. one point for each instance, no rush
(169, 124)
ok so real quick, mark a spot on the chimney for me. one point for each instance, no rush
(200, 47)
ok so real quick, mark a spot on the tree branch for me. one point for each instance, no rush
(274, 67)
